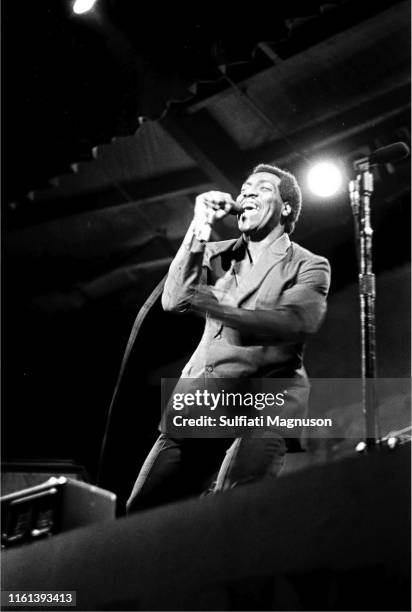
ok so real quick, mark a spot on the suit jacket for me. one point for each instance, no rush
(282, 299)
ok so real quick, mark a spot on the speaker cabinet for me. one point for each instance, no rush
(57, 505)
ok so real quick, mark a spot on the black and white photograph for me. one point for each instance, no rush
(206, 306)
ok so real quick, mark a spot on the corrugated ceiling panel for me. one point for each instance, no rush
(151, 152)
(321, 82)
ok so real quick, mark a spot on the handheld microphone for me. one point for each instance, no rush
(235, 208)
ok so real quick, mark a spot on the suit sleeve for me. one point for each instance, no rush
(185, 273)
(299, 311)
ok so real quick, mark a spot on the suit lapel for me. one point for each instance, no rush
(221, 256)
(270, 257)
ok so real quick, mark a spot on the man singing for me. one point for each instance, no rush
(261, 296)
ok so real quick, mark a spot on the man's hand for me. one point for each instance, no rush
(210, 207)
(217, 204)
(204, 302)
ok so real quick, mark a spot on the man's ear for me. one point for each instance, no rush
(286, 210)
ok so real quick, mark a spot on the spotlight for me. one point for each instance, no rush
(83, 6)
(392, 442)
(324, 179)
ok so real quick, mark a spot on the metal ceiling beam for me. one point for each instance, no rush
(224, 165)
(205, 141)
(175, 184)
(384, 19)
(349, 129)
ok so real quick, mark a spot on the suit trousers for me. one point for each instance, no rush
(179, 468)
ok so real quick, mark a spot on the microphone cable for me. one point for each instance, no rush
(141, 315)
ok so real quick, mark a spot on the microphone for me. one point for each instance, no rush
(203, 227)
(231, 207)
(385, 155)
(235, 208)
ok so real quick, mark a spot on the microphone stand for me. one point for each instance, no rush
(360, 191)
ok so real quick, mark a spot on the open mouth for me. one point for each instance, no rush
(249, 205)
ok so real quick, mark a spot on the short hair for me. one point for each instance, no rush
(289, 192)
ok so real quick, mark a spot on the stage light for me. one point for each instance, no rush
(324, 179)
(392, 442)
(83, 6)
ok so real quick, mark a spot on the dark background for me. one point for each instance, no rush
(112, 123)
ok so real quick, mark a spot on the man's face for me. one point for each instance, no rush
(261, 203)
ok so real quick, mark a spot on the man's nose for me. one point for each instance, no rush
(250, 192)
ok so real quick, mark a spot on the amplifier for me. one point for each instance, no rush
(57, 505)
(18, 474)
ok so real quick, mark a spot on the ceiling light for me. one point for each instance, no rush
(83, 6)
